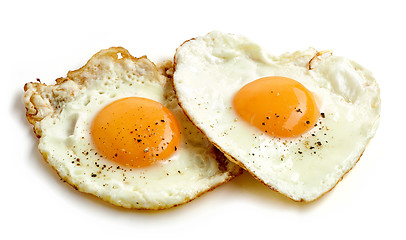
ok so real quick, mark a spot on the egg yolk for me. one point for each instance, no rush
(135, 132)
(279, 106)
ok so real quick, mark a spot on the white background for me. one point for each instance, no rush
(45, 39)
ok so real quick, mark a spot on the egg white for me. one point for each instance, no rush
(211, 69)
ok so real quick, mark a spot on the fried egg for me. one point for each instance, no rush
(114, 129)
(297, 122)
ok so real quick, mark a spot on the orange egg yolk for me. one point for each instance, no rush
(135, 132)
(279, 106)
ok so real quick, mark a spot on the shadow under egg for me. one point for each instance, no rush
(249, 185)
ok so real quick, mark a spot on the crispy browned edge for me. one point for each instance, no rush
(317, 56)
(73, 75)
(232, 159)
(220, 157)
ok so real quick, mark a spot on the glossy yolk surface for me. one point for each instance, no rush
(135, 132)
(279, 106)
